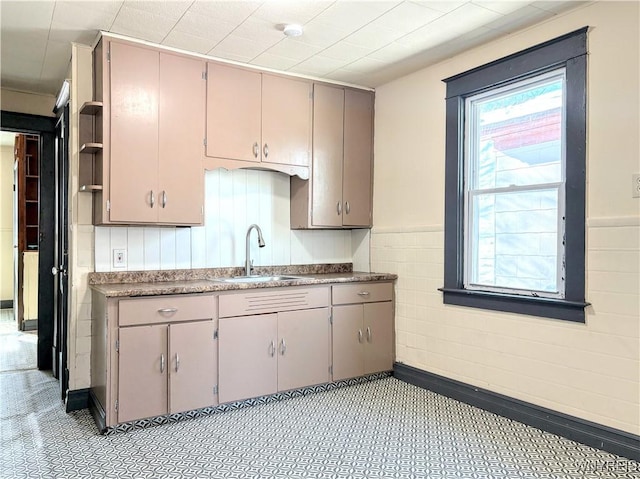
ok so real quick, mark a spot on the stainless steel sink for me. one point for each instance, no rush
(257, 279)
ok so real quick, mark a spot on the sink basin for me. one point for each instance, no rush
(257, 279)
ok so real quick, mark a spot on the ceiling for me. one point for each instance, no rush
(361, 42)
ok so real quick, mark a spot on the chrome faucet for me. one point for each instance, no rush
(248, 265)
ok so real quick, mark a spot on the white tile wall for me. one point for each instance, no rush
(233, 201)
(589, 370)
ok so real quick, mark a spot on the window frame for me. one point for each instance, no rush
(569, 52)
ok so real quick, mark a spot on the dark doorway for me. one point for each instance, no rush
(45, 128)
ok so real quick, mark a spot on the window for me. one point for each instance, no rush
(515, 182)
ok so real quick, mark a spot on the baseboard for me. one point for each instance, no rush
(99, 416)
(29, 324)
(6, 304)
(77, 399)
(580, 430)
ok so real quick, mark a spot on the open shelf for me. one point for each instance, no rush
(91, 147)
(90, 188)
(91, 108)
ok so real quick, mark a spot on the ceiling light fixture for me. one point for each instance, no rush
(292, 30)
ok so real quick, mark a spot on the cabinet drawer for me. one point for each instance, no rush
(361, 293)
(272, 301)
(165, 309)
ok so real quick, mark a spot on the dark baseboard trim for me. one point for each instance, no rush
(29, 324)
(77, 399)
(6, 304)
(580, 430)
(99, 416)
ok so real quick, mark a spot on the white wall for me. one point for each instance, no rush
(233, 201)
(589, 370)
(6, 223)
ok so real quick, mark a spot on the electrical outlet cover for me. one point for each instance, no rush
(119, 258)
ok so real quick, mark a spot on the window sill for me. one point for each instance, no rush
(545, 307)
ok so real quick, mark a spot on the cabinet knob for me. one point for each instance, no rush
(283, 347)
(256, 149)
(162, 363)
(364, 294)
(177, 362)
(265, 150)
(339, 208)
(168, 310)
(152, 199)
(347, 208)
(368, 334)
(359, 335)
(164, 198)
(272, 349)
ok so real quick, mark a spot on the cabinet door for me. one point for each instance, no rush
(358, 144)
(193, 366)
(303, 348)
(247, 357)
(142, 372)
(348, 342)
(286, 120)
(233, 113)
(180, 194)
(378, 332)
(328, 106)
(133, 175)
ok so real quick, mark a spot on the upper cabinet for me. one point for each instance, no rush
(339, 193)
(148, 169)
(257, 120)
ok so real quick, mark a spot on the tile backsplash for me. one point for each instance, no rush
(233, 201)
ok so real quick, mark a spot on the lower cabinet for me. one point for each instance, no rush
(166, 368)
(167, 354)
(152, 356)
(362, 333)
(261, 354)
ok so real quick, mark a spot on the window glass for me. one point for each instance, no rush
(514, 207)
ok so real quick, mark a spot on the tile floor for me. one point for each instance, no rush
(379, 429)
(17, 349)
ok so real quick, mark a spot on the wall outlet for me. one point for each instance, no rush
(119, 258)
(635, 184)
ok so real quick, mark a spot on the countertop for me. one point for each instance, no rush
(209, 280)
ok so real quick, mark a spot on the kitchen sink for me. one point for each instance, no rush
(257, 279)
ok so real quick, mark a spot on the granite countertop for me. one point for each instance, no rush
(152, 283)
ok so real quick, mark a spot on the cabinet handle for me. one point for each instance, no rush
(265, 150)
(363, 293)
(272, 349)
(368, 334)
(168, 310)
(359, 335)
(283, 347)
(177, 362)
(153, 199)
(339, 208)
(256, 149)
(164, 198)
(347, 208)
(162, 363)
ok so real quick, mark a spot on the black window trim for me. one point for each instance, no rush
(568, 51)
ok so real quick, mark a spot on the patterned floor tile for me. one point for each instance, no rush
(378, 429)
